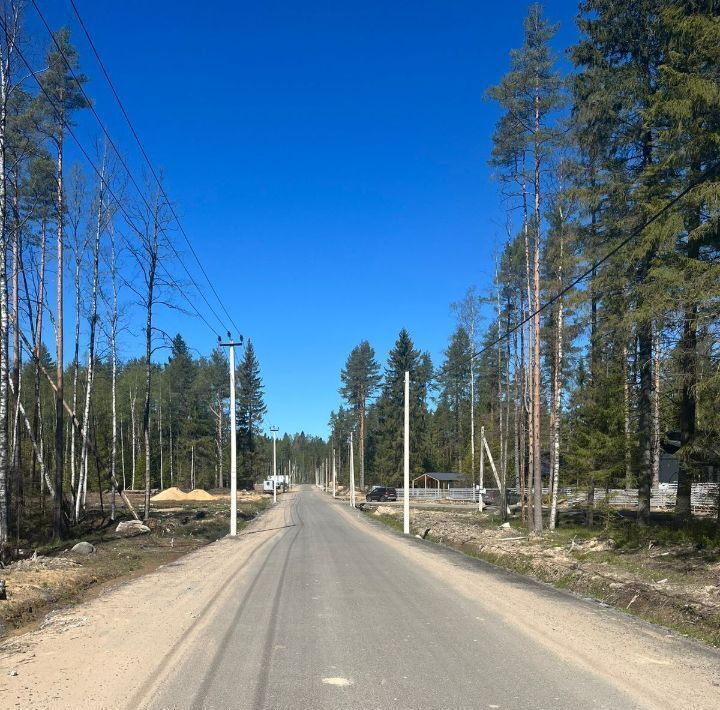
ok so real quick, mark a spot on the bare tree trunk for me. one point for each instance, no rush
(472, 402)
(172, 468)
(656, 409)
(688, 402)
(6, 48)
(59, 523)
(645, 420)
(528, 381)
(74, 483)
(16, 361)
(76, 423)
(626, 417)
(501, 423)
(113, 356)
(146, 412)
(133, 440)
(99, 226)
(362, 443)
(219, 440)
(507, 398)
(557, 403)
(160, 436)
(122, 454)
(557, 383)
(524, 420)
(37, 448)
(537, 471)
(517, 448)
(37, 411)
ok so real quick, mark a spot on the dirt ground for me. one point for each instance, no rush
(53, 578)
(673, 580)
(108, 651)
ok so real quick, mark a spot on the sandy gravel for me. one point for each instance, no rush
(101, 654)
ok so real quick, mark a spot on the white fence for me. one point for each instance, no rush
(703, 498)
(459, 494)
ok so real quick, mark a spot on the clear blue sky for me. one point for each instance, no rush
(329, 161)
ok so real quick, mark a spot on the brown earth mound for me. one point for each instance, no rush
(171, 494)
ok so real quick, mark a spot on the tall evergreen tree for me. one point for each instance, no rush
(251, 409)
(388, 435)
(530, 94)
(59, 98)
(686, 110)
(454, 380)
(620, 55)
(360, 378)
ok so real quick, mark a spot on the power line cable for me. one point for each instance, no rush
(96, 170)
(709, 172)
(123, 162)
(147, 159)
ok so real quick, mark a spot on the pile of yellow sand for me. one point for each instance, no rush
(198, 494)
(170, 494)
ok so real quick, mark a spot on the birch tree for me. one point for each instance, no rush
(360, 379)
(60, 97)
(8, 40)
(151, 237)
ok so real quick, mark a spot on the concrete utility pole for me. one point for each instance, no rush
(274, 431)
(352, 473)
(482, 468)
(334, 473)
(233, 437)
(406, 459)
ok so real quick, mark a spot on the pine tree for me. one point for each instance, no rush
(59, 98)
(360, 378)
(530, 94)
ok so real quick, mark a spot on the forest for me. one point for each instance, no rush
(597, 348)
(90, 256)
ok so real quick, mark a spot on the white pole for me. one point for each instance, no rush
(334, 474)
(352, 473)
(274, 431)
(482, 468)
(406, 457)
(233, 447)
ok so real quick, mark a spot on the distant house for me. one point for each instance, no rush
(705, 470)
(439, 481)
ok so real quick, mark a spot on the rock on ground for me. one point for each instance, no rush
(83, 548)
(130, 528)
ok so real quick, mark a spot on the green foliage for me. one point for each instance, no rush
(251, 409)
(385, 430)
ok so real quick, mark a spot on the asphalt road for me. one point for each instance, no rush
(327, 615)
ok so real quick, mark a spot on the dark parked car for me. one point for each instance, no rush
(381, 493)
